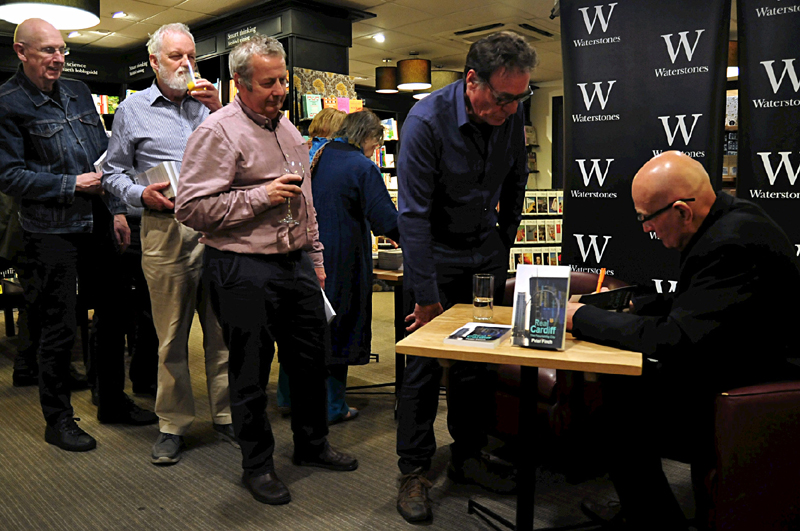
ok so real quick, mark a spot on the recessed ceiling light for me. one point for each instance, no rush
(74, 34)
(379, 37)
(119, 14)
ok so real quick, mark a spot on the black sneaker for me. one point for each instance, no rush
(486, 472)
(68, 436)
(24, 377)
(125, 411)
(413, 503)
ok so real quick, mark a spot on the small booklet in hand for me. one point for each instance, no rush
(484, 335)
(166, 172)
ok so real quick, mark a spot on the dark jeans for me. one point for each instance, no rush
(470, 391)
(260, 300)
(141, 334)
(54, 262)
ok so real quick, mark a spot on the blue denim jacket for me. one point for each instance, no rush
(44, 146)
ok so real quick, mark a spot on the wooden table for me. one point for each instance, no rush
(578, 355)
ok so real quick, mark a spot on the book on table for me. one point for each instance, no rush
(540, 307)
(166, 172)
(484, 335)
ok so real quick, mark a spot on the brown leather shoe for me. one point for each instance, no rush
(267, 488)
(329, 458)
(413, 503)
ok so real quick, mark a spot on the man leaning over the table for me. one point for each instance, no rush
(263, 275)
(721, 329)
(462, 153)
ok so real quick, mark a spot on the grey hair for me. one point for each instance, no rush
(358, 127)
(504, 49)
(157, 38)
(239, 60)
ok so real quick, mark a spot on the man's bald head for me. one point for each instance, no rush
(665, 181)
(31, 40)
(34, 30)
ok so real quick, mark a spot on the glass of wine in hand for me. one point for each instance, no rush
(295, 168)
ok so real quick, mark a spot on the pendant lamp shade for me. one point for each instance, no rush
(386, 79)
(63, 14)
(413, 74)
(440, 79)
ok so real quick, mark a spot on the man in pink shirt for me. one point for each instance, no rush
(264, 272)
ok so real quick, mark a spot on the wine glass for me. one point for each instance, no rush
(295, 168)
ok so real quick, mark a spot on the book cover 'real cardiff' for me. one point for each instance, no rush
(540, 307)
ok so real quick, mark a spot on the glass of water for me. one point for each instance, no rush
(482, 297)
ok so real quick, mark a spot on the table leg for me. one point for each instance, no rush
(526, 465)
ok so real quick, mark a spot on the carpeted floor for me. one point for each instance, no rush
(116, 488)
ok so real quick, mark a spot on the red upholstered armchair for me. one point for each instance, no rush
(563, 395)
(756, 483)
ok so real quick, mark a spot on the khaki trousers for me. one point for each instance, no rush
(172, 264)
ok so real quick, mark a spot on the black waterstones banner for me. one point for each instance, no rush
(639, 78)
(769, 109)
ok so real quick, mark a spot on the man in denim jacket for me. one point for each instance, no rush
(50, 137)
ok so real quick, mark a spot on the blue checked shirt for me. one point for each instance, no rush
(148, 129)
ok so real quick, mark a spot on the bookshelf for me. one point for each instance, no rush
(538, 239)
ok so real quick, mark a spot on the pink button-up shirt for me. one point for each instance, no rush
(222, 191)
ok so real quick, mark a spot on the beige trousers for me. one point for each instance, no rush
(172, 261)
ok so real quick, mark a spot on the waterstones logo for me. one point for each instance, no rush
(602, 99)
(797, 246)
(674, 51)
(785, 164)
(773, 11)
(603, 19)
(653, 235)
(585, 250)
(776, 82)
(599, 174)
(673, 285)
(686, 133)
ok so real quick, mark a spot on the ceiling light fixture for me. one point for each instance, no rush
(63, 14)
(440, 79)
(379, 37)
(119, 14)
(74, 34)
(386, 79)
(413, 74)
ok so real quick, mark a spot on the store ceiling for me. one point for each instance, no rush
(427, 27)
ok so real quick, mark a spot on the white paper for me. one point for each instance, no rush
(329, 311)
(98, 164)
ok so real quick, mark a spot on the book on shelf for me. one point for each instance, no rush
(329, 102)
(540, 307)
(482, 335)
(390, 129)
(343, 104)
(531, 139)
(356, 105)
(312, 104)
(166, 172)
